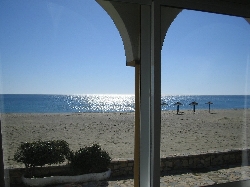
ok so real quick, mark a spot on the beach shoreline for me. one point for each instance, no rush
(187, 133)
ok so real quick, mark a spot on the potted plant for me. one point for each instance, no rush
(87, 164)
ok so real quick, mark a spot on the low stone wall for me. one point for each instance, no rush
(204, 160)
(121, 167)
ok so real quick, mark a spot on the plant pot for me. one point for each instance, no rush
(66, 179)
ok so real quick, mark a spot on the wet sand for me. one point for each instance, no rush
(187, 133)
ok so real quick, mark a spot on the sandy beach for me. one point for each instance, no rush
(187, 133)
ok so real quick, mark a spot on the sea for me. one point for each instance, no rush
(44, 103)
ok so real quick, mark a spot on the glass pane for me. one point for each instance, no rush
(64, 77)
(205, 95)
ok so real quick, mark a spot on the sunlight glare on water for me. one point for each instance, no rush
(101, 103)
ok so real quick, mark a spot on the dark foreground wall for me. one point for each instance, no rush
(121, 167)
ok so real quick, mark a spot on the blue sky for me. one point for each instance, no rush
(73, 47)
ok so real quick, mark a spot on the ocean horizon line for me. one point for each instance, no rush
(130, 94)
(64, 103)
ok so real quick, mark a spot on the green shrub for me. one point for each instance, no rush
(89, 160)
(40, 153)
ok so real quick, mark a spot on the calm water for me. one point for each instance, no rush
(22, 103)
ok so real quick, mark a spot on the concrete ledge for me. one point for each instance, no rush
(121, 167)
